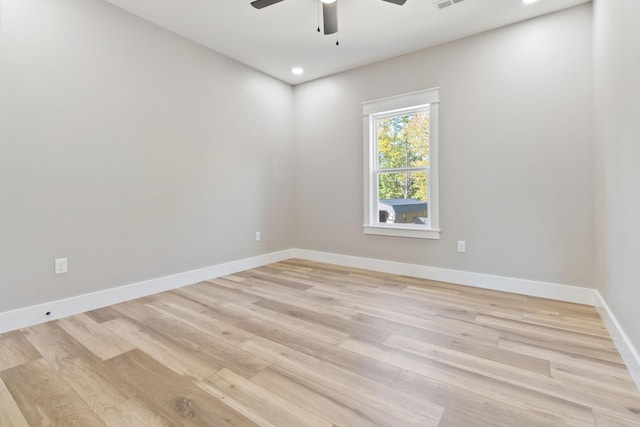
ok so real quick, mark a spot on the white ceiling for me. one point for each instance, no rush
(281, 36)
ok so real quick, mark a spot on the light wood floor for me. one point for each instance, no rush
(306, 344)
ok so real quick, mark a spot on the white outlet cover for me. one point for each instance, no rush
(60, 265)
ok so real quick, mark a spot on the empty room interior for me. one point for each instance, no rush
(319, 213)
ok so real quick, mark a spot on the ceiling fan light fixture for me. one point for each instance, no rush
(330, 17)
(329, 12)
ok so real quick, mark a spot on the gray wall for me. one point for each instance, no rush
(131, 151)
(516, 152)
(617, 83)
(138, 154)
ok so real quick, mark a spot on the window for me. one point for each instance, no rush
(401, 165)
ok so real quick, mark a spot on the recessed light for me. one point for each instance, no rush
(327, 1)
(297, 71)
(529, 1)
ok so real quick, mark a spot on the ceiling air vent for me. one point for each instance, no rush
(441, 4)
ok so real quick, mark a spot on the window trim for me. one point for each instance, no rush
(371, 110)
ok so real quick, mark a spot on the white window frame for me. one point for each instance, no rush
(380, 108)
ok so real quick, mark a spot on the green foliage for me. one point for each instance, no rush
(403, 141)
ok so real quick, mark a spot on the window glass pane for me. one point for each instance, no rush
(403, 141)
(402, 198)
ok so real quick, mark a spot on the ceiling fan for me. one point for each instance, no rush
(329, 11)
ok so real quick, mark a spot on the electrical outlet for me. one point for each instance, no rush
(462, 246)
(257, 236)
(60, 265)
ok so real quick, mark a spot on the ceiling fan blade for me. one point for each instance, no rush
(398, 2)
(259, 4)
(330, 17)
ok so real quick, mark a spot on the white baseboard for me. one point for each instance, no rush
(27, 316)
(554, 291)
(625, 347)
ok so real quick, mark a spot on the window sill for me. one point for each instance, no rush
(417, 233)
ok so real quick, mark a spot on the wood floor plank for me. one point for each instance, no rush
(371, 298)
(540, 350)
(422, 320)
(369, 392)
(190, 364)
(341, 410)
(214, 305)
(497, 405)
(570, 324)
(45, 398)
(454, 418)
(311, 330)
(257, 278)
(93, 381)
(467, 329)
(453, 357)
(435, 328)
(540, 405)
(15, 350)
(103, 390)
(605, 418)
(549, 385)
(271, 290)
(322, 351)
(589, 350)
(189, 300)
(132, 412)
(483, 351)
(224, 293)
(338, 323)
(257, 403)
(175, 333)
(175, 396)
(97, 339)
(10, 414)
(103, 314)
(448, 304)
(593, 377)
(593, 346)
(200, 317)
(52, 342)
